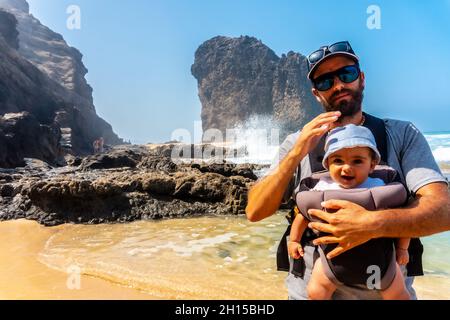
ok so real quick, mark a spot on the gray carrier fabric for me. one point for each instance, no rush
(351, 267)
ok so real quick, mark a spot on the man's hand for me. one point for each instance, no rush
(313, 131)
(349, 227)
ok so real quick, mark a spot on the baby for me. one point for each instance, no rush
(350, 156)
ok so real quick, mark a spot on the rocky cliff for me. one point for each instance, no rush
(241, 77)
(44, 77)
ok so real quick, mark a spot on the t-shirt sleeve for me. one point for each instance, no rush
(418, 164)
(283, 151)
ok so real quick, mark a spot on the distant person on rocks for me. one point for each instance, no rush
(338, 83)
(95, 146)
(101, 143)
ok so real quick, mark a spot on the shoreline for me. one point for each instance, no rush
(24, 277)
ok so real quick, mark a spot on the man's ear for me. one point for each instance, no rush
(316, 94)
(363, 79)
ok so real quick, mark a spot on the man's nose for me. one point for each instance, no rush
(338, 84)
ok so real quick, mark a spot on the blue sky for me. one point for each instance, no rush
(139, 53)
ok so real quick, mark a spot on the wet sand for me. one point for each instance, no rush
(23, 276)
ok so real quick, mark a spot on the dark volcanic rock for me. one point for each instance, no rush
(22, 136)
(293, 102)
(235, 77)
(113, 159)
(8, 24)
(241, 77)
(127, 184)
(158, 163)
(42, 75)
(195, 151)
(228, 169)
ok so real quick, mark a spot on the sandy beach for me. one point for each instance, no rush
(23, 276)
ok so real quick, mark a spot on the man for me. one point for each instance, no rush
(338, 84)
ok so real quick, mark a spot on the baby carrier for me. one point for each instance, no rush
(414, 266)
(351, 267)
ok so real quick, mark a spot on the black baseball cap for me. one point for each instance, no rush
(342, 48)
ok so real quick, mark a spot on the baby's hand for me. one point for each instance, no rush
(295, 250)
(402, 256)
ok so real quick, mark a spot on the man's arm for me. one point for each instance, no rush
(265, 197)
(428, 214)
(352, 225)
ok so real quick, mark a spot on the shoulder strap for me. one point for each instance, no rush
(316, 156)
(378, 129)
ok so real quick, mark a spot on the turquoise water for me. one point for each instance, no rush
(436, 257)
(440, 145)
(437, 248)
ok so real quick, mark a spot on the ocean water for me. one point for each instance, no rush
(440, 146)
(202, 258)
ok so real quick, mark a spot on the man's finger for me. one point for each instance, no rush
(323, 227)
(320, 131)
(326, 120)
(326, 240)
(336, 252)
(328, 115)
(336, 204)
(325, 216)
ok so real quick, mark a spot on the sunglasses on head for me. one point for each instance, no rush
(342, 46)
(347, 74)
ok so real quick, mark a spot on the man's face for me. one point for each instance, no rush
(344, 97)
(351, 167)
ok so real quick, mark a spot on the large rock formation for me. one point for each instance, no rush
(125, 184)
(40, 74)
(242, 77)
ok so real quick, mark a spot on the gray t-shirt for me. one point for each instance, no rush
(409, 154)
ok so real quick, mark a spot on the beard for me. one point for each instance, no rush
(348, 107)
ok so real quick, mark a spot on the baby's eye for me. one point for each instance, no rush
(357, 161)
(337, 161)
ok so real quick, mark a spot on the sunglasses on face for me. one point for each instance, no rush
(346, 74)
(343, 46)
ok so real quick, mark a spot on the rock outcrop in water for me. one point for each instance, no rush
(41, 75)
(241, 77)
(125, 184)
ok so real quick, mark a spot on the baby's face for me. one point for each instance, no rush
(351, 167)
